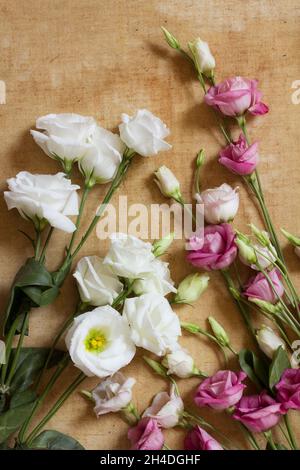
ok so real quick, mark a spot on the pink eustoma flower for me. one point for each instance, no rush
(221, 391)
(198, 439)
(288, 389)
(146, 435)
(258, 413)
(235, 96)
(259, 287)
(240, 158)
(215, 250)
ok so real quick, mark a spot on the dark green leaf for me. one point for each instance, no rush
(11, 420)
(33, 286)
(246, 359)
(30, 363)
(22, 398)
(2, 401)
(261, 370)
(279, 364)
(54, 440)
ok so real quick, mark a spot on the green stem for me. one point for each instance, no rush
(18, 349)
(60, 368)
(85, 194)
(37, 244)
(250, 437)
(122, 170)
(244, 312)
(43, 252)
(290, 432)
(55, 407)
(269, 438)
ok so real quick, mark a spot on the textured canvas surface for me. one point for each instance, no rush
(105, 57)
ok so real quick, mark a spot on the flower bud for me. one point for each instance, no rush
(156, 366)
(261, 235)
(219, 331)
(264, 305)
(246, 251)
(167, 182)
(161, 246)
(295, 241)
(191, 288)
(180, 363)
(269, 341)
(2, 352)
(171, 40)
(200, 158)
(203, 58)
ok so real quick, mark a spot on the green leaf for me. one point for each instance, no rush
(279, 364)
(11, 420)
(55, 440)
(22, 398)
(253, 367)
(30, 363)
(33, 286)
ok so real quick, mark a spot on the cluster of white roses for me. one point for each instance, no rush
(104, 340)
(70, 138)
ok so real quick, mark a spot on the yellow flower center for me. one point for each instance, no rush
(95, 341)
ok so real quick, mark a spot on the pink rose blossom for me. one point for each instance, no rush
(240, 158)
(221, 391)
(258, 287)
(198, 439)
(258, 412)
(146, 435)
(288, 389)
(215, 250)
(236, 96)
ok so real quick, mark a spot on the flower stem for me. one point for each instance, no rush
(122, 170)
(85, 194)
(290, 432)
(60, 368)
(18, 349)
(8, 342)
(43, 252)
(55, 407)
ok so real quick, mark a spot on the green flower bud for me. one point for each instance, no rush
(261, 235)
(246, 250)
(219, 332)
(265, 306)
(295, 241)
(200, 158)
(156, 366)
(171, 40)
(191, 288)
(160, 246)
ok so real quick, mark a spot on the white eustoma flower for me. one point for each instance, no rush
(158, 280)
(64, 136)
(42, 198)
(166, 409)
(113, 394)
(180, 363)
(97, 284)
(144, 133)
(269, 341)
(2, 352)
(99, 342)
(203, 57)
(167, 182)
(101, 161)
(154, 325)
(220, 204)
(128, 256)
